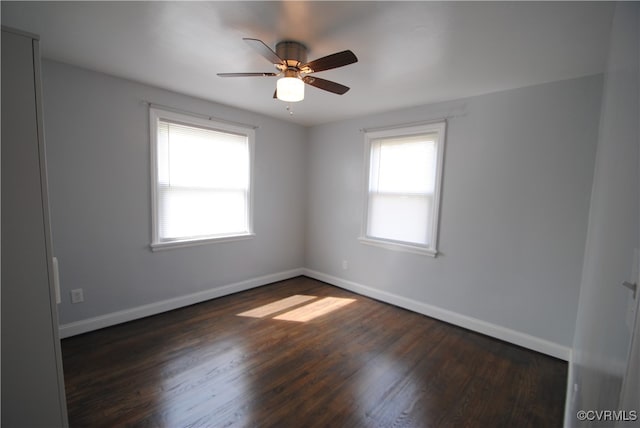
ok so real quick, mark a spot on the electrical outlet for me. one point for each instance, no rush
(77, 295)
(345, 265)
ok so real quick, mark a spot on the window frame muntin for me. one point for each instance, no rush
(370, 137)
(157, 114)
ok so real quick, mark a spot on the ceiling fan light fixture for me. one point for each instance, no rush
(290, 89)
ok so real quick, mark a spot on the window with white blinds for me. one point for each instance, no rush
(403, 187)
(201, 180)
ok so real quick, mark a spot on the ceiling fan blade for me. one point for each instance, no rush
(264, 50)
(247, 74)
(328, 62)
(327, 85)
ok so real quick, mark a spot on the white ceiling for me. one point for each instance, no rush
(410, 53)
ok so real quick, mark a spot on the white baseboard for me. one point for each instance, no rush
(489, 329)
(493, 330)
(107, 320)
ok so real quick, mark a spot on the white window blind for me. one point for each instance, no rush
(403, 186)
(203, 181)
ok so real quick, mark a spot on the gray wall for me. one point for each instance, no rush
(517, 181)
(98, 155)
(602, 333)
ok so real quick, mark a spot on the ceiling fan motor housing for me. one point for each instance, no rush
(294, 53)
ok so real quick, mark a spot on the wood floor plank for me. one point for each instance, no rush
(363, 364)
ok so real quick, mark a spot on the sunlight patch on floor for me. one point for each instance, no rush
(276, 306)
(315, 309)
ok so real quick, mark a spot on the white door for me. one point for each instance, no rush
(630, 394)
(605, 320)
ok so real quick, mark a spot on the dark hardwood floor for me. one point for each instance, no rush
(364, 364)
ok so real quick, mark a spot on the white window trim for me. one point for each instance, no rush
(440, 127)
(156, 114)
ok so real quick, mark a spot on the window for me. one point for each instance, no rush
(404, 172)
(201, 180)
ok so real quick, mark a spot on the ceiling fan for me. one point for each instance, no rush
(290, 58)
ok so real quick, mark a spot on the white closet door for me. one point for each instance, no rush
(32, 380)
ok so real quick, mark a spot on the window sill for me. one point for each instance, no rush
(398, 246)
(169, 245)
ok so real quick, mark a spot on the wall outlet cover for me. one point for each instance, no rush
(77, 295)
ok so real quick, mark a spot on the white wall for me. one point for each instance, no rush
(517, 181)
(602, 334)
(98, 156)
